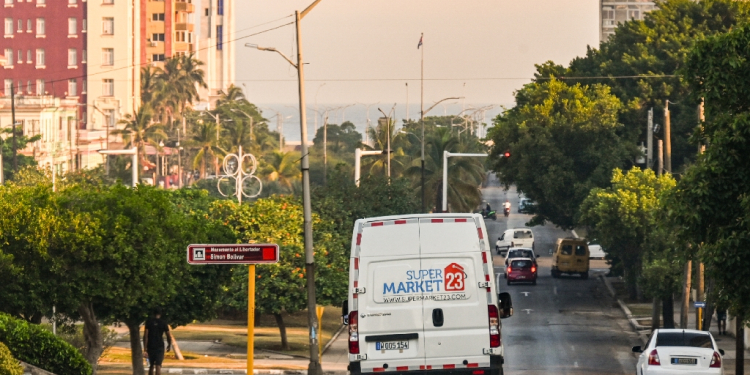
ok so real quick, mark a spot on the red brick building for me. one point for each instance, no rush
(44, 43)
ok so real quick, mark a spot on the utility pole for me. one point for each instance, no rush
(13, 127)
(280, 130)
(699, 267)
(314, 367)
(650, 140)
(667, 139)
(421, 116)
(407, 102)
(325, 149)
(661, 158)
(216, 158)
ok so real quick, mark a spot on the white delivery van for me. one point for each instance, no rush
(518, 237)
(422, 297)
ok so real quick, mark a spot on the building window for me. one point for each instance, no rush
(108, 2)
(40, 26)
(72, 26)
(84, 56)
(157, 37)
(72, 57)
(29, 27)
(20, 25)
(220, 7)
(28, 86)
(40, 87)
(108, 26)
(9, 56)
(7, 86)
(20, 56)
(9, 2)
(109, 117)
(84, 25)
(108, 56)
(72, 89)
(157, 57)
(72, 2)
(29, 60)
(8, 26)
(157, 17)
(41, 2)
(108, 87)
(40, 57)
(83, 89)
(219, 37)
(634, 14)
(206, 12)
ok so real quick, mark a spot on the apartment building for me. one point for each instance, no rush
(215, 23)
(113, 69)
(167, 28)
(44, 48)
(614, 12)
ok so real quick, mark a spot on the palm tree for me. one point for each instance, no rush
(150, 83)
(378, 164)
(204, 140)
(233, 95)
(282, 167)
(140, 130)
(180, 79)
(464, 174)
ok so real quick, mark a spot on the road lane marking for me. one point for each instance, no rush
(554, 290)
(528, 311)
(525, 294)
(575, 364)
(573, 347)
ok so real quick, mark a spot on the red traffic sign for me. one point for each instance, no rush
(233, 254)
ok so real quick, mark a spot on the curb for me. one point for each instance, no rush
(236, 371)
(628, 314)
(331, 341)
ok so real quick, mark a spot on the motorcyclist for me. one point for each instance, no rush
(506, 205)
(487, 209)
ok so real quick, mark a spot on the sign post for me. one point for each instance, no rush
(700, 306)
(250, 254)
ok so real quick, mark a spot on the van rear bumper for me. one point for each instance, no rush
(496, 366)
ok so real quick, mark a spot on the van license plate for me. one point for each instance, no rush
(392, 345)
(684, 361)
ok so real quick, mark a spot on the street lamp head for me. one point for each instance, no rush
(251, 45)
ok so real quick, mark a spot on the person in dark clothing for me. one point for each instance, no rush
(153, 342)
(721, 320)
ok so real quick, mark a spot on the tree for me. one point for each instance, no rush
(282, 168)
(623, 216)
(280, 287)
(207, 145)
(711, 204)
(140, 130)
(6, 150)
(465, 175)
(657, 46)
(564, 141)
(342, 138)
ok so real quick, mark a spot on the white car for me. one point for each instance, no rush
(520, 252)
(596, 251)
(519, 237)
(679, 351)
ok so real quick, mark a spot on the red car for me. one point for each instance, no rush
(521, 269)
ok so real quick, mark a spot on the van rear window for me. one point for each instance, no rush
(520, 254)
(580, 250)
(521, 264)
(523, 234)
(567, 249)
(695, 340)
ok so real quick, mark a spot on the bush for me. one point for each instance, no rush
(8, 364)
(36, 346)
(73, 335)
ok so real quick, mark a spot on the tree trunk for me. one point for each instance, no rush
(92, 335)
(739, 367)
(136, 351)
(685, 306)
(655, 312)
(631, 281)
(710, 306)
(668, 311)
(282, 331)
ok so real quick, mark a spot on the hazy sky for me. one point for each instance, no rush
(373, 45)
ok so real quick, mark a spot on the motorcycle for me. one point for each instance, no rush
(507, 212)
(489, 215)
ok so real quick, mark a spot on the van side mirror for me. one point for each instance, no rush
(506, 305)
(637, 349)
(345, 312)
(499, 238)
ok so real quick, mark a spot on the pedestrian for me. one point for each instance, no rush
(153, 341)
(721, 319)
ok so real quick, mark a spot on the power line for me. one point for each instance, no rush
(454, 79)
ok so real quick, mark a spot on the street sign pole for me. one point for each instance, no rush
(250, 254)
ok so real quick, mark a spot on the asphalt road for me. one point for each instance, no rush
(560, 326)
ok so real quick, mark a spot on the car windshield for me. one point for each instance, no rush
(521, 264)
(692, 339)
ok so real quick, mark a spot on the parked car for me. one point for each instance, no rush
(679, 351)
(521, 269)
(596, 251)
(524, 205)
(519, 237)
(422, 297)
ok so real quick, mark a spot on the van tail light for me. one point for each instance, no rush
(494, 326)
(533, 269)
(509, 269)
(353, 333)
(653, 358)
(715, 361)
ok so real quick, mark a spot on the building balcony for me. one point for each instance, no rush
(184, 7)
(183, 47)
(184, 27)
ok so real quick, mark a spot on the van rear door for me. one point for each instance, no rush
(455, 310)
(391, 331)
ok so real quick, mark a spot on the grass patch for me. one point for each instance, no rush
(267, 336)
(640, 309)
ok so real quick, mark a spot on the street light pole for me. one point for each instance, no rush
(421, 120)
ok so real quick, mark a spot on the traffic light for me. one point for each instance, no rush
(506, 154)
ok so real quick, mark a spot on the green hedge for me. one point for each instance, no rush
(8, 364)
(37, 346)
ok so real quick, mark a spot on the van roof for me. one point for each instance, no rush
(417, 216)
